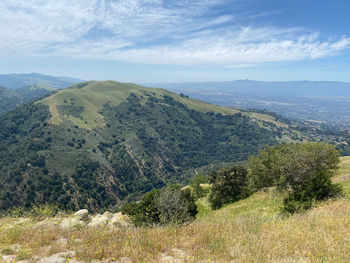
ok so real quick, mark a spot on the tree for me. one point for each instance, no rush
(167, 205)
(198, 190)
(303, 170)
(228, 185)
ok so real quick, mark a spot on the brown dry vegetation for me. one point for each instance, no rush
(250, 230)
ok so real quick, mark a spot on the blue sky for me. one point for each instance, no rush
(180, 40)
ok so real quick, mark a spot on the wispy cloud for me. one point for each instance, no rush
(183, 32)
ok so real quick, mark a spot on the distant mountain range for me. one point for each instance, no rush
(17, 89)
(96, 144)
(323, 102)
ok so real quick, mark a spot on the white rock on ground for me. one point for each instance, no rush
(179, 257)
(82, 215)
(110, 220)
(70, 222)
(57, 258)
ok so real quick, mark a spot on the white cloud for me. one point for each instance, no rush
(151, 31)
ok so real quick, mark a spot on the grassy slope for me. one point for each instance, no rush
(247, 231)
(95, 94)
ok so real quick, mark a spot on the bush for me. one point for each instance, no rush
(198, 190)
(303, 170)
(228, 185)
(45, 210)
(145, 211)
(167, 205)
(175, 206)
(36, 210)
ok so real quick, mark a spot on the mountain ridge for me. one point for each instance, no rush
(28, 87)
(315, 102)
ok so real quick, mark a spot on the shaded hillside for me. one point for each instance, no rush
(27, 87)
(98, 143)
(8, 100)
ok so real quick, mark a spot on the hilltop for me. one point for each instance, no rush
(97, 144)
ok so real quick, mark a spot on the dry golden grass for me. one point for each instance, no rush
(344, 171)
(250, 230)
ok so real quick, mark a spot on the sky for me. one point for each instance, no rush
(176, 41)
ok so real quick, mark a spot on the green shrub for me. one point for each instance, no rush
(164, 206)
(46, 210)
(14, 212)
(198, 190)
(303, 170)
(145, 211)
(228, 185)
(36, 210)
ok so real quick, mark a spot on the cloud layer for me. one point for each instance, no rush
(181, 32)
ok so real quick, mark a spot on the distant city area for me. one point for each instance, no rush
(321, 103)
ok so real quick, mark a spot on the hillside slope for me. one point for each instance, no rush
(98, 143)
(249, 230)
(8, 100)
(27, 87)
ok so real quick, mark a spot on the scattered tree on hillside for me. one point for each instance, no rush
(198, 190)
(228, 185)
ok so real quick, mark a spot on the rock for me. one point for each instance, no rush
(119, 220)
(179, 253)
(99, 220)
(82, 215)
(169, 259)
(124, 260)
(179, 256)
(71, 222)
(62, 242)
(58, 257)
(79, 218)
(7, 258)
(110, 220)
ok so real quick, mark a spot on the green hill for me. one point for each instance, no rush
(27, 87)
(99, 143)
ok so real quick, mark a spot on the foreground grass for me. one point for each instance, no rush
(250, 230)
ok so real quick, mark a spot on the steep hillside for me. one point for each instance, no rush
(98, 143)
(8, 100)
(27, 87)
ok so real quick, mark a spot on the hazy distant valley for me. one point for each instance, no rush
(321, 103)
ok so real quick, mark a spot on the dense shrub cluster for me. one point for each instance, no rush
(169, 205)
(228, 185)
(302, 170)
